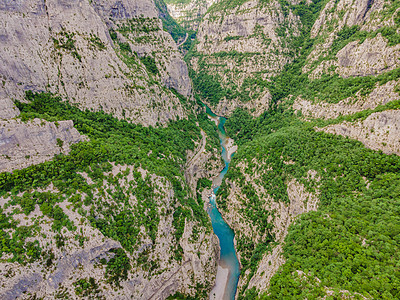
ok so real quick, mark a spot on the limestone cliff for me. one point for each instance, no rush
(65, 48)
(81, 253)
(24, 144)
(249, 199)
(238, 48)
(7, 108)
(349, 37)
(379, 131)
(189, 13)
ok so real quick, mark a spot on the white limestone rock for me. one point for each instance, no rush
(24, 144)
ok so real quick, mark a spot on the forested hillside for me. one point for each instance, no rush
(108, 156)
(339, 196)
(98, 131)
(115, 211)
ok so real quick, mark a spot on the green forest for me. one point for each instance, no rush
(352, 242)
(127, 181)
(160, 151)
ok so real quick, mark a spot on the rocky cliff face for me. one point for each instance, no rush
(116, 56)
(139, 25)
(7, 108)
(155, 272)
(189, 13)
(379, 131)
(242, 49)
(239, 46)
(248, 196)
(339, 21)
(65, 48)
(33, 142)
(301, 201)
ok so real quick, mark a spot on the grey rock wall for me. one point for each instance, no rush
(7, 109)
(25, 144)
(51, 46)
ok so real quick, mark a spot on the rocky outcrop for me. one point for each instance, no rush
(7, 108)
(379, 96)
(281, 215)
(24, 144)
(33, 281)
(189, 14)
(256, 107)
(370, 57)
(65, 48)
(301, 201)
(75, 260)
(380, 131)
(202, 163)
(138, 22)
(238, 47)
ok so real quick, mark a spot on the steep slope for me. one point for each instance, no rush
(277, 178)
(109, 208)
(239, 46)
(113, 218)
(65, 48)
(189, 13)
(95, 201)
(338, 73)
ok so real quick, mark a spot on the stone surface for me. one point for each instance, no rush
(372, 56)
(24, 144)
(189, 14)
(7, 109)
(379, 96)
(54, 46)
(380, 131)
(202, 164)
(75, 261)
(301, 201)
(238, 45)
(155, 43)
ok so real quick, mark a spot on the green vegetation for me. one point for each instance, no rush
(150, 64)
(232, 38)
(352, 242)
(97, 42)
(170, 25)
(87, 288)
(13, 240)
(139, 26)
(117, 267)
(215, 82)
(225, 5)
(106, 202)
(177, 1)
(359, 116)
(67, 42)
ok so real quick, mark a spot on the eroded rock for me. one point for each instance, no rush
(24, 144)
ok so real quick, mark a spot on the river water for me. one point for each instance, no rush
(229, 268)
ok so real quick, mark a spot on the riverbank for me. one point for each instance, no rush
(219, 290)
(230, 148)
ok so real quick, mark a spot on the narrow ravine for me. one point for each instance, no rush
(228, 267)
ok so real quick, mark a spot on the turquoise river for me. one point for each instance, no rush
(225, 234)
